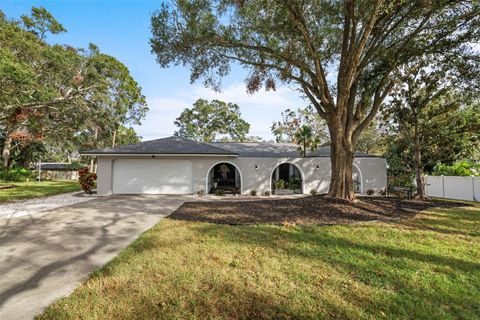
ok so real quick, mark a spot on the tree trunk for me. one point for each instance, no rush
(114, 138)
(341, 158)
(418, 167)
(7, 146)
(92, 161)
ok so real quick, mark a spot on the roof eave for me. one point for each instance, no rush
(113, 154)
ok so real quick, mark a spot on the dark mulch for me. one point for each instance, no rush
(307, 210)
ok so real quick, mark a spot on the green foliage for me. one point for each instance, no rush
(280, 184)
(372, 141)
(208, 119)
(253, 192)
(461, 168)
(401, 180)
(220, 192)
(58, 95)
(17, 174)
(306, 140)
(292, 122)
(40, 22)
(313, 192)
(294, 180)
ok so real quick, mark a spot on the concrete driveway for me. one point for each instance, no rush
(46, 256)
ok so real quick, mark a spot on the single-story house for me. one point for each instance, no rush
(176, 165)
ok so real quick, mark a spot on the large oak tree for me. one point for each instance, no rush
(340, 54)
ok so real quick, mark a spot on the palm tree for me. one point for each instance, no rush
(305, 139)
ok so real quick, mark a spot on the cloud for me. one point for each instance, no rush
(259, 109)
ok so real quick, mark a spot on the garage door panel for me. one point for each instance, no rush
(152, 176)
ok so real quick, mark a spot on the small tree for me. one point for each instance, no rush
(306, 140)
(206, 120)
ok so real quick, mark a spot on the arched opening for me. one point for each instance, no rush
(287, 178)
(224, 177)
(357, 179)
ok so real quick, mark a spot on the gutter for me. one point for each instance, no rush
(154, 155)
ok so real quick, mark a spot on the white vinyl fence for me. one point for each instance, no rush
(453, 187)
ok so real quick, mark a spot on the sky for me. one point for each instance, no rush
(122, 29)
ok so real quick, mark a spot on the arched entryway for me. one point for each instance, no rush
(287, 178)
(224, 177)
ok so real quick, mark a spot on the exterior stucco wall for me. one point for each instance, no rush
(256, 173)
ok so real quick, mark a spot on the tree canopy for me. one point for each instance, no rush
(292, 121)
(430, 113)
(342, 55)
(208, 121)
(58, 93)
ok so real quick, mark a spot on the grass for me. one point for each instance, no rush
(427, 267)
(27, 190)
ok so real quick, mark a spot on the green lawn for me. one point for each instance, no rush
(427, 267)
(26, 190)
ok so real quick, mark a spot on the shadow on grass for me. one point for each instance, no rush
(406, 279)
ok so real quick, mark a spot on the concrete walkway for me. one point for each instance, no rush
(46, 256)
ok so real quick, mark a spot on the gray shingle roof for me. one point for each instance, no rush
(56, 166)
(170, 145)
(183, 146)
(275, 150)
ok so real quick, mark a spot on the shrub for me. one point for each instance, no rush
(267, 193)
(87, 180)
(280, 184)
(370, 192)
(293, 186)
(313, 192)
(17, 174)
(294, 180)
(253, 192)
(201, 193)
(236, 190)
(461, 168)
(219, 192)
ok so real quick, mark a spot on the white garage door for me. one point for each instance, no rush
(152, 176)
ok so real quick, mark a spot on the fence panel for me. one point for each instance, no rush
(451, 187)
(458, 188)
(476, 187)
(434, 186)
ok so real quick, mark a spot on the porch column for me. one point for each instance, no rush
(290, 170)
(277, 174)
(237, 179)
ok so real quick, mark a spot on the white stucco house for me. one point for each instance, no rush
(176, 165)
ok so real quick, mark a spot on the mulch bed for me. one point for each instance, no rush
(306, 210)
